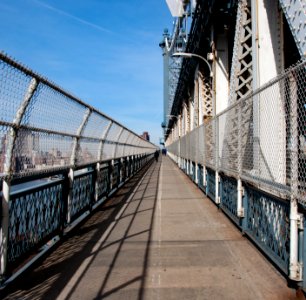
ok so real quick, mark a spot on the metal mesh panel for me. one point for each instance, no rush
(210, 143)
(51, 110)
(108, 150)
(128, 150)
(275, 157)
(96, 126)
(201, 152)
(187, 146)
(87, 151)
(13, 87)
(183, 146)
(261, 138)
(130, 139)
(141, 142)
(271, 152)
(229, 136)
(295, 109)
(124, 136)
(4, 130)
(52, 128)
(176, 149)
(35, 151)
(113, 132)
(193, 142)
(246, 132)
(119, 151)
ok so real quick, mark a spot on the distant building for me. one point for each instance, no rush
(145, 136)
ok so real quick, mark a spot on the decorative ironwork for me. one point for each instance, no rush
(201, 177)
(103, 181)
(193, 171)
(268, 224)
(241, 73)
(115, 174)
(82, 194)
(35, 214)
(228, 196)
(205, 97)
(211, 183)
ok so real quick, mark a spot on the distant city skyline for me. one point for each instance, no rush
(105, 53)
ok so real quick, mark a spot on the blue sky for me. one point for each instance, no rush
(104, 52)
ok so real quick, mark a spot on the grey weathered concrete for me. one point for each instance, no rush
(168, 242)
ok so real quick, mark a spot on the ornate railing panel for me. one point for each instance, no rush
(103, 182)
(193, 170)
(82, 193)
(211, 183)
(35, 214)
(228, 196)
(201, 177)
(268, 224)
(116, 173)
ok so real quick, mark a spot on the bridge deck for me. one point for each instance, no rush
(159, 237)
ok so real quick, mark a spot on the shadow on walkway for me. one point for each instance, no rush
(159, 237)
(106, 256)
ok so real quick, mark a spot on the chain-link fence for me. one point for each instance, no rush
(44, 128)
(260, 138)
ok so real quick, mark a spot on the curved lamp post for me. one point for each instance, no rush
(190, 55)
(172, 116)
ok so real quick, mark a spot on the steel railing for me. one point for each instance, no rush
(59, 158)
(260, 138)
(251, 161)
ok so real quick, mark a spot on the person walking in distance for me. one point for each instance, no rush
(156, 155)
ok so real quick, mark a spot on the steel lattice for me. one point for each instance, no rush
(82, 192)
(34, 215)
(228, 195)
(268, 223)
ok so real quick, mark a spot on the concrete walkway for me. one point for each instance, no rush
(160, 239)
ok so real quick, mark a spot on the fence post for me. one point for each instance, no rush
(73, 162)
(100, 155)
(240, 209)
(217, 197)
(6, 185)
(295, 268)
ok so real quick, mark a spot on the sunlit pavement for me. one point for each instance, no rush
(159, 237)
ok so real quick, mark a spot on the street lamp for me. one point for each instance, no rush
(172, 116)
(190, 55)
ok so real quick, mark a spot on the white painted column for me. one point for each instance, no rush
(269, 121)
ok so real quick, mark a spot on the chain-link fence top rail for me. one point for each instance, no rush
(44, 128)
(261, 138)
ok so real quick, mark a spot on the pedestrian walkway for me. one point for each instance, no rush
(158, 238)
